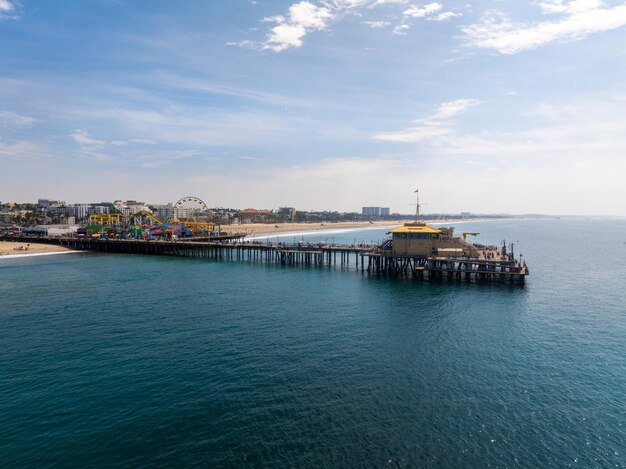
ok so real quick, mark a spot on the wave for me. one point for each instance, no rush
(286, 234)
(35, 254)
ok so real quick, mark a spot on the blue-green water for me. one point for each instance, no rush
(128, 360)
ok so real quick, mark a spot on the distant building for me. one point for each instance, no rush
(7, 217)
(50, 203)
(81, 211)
(163, 212)
(130, 207)
(287, 213)
(67, 220)
(97, 209)
(251, 214)
(52, 230)
(376, 211)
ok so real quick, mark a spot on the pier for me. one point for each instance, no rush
(488, 265)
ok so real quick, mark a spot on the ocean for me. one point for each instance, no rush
(123, 360)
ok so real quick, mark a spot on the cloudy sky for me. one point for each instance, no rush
(486, 106)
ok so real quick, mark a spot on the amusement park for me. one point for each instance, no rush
(189, 217)
(188, 228)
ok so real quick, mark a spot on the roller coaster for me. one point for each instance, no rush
(121, 220)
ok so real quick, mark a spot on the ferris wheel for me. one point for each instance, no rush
(190, 208)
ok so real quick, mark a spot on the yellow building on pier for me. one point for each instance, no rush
(422, 240)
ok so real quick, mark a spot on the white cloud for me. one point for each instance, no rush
(16, 120)
(162, 158)
(309, 16)
(436, 125)
(414, 134)
(430, 11)
(376, 24)
(452, 108)
(273, 19)
(6, 6)
(445, 16)
(576, 20)
(285, 36)
(422, 12)
(401, 29)
(303, 18)
(82, 138)
(296, 181)
(592, 132)
(388, 2)
(206, 86)
(603, 192)
(9, 9)
(121, 143)
(19, 149)
(571, 6)
(189, 126)
(143, 141)
(345, 4)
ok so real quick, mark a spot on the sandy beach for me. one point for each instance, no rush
(9, 248)
(269, 228)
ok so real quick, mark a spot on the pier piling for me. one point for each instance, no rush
(371, 259)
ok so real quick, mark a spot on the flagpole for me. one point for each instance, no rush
(417, 206)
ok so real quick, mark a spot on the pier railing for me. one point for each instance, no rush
(485, 268)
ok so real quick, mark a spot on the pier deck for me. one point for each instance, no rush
(485, 268)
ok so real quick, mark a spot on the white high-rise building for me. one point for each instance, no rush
(130, 207)
(375, 211)
(98, 210)
(81, 211)
(163, 212)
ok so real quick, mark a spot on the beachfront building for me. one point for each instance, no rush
(248, 215)
(287, 213)
(422, 240)
(375, 211)
(51, 230)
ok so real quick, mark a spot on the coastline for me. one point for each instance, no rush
(322, 231)
(253, 229)
(265, 230)
(36, 254)
(31, 249)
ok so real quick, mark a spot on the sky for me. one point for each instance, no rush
(487, 106)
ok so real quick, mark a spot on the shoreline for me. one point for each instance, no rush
(266, 230)
(36, 254)
(253, 229)
(8, 249)
(336, 230)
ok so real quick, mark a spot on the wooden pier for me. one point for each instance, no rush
(486, 268)
(460, 269)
